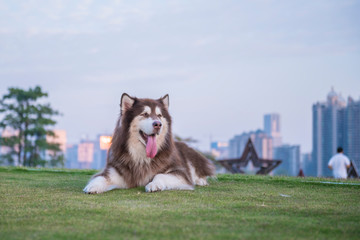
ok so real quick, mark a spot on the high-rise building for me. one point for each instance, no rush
(290, 156)
(351, 137)
(335, 124)
(262, 142)
(272, 128)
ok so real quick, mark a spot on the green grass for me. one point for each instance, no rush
(49, 204)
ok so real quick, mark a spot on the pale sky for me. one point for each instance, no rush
(224, 63)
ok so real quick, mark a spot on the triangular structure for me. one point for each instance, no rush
(249, 154)
(352, 171)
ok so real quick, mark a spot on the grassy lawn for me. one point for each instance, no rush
(49, 204)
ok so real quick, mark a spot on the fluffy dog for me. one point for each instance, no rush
(144, 153)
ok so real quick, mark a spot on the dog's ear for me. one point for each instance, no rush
(126, 103)
(165, 101)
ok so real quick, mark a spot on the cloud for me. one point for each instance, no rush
(94, 50)
(105, 12)
(84, 5)
(6, 31)
(35, 31)
(203, 41)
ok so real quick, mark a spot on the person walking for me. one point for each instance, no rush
(339, 163)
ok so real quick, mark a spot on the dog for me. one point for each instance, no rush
(144, 153)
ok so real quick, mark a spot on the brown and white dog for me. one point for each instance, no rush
(143, 152)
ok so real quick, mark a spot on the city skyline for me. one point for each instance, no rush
(223, 63)
(336, 123)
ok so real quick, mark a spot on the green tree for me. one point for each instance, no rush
(188, 140)
(29, 119)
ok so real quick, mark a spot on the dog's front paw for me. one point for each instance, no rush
(96, 185)
(201, 182)
(155, 187)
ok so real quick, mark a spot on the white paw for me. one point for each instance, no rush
(155, 187)
(96, 185)
(201, 182)
(163, 182)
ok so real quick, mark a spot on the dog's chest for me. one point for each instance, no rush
(142, 175)
(145, 179)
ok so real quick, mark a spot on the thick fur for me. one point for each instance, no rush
(175, 166)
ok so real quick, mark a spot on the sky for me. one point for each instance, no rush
(224, 63)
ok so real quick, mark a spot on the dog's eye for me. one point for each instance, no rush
(146, 115)
(159, 115)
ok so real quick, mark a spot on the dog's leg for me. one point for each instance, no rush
(100, 184)
(163, 182)
(201, 181)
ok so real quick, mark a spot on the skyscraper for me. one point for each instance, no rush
(272, 128)
(352, 131)
(330, 130)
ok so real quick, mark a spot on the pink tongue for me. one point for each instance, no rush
(151, 148)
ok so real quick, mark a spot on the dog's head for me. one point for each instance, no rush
(148, 124)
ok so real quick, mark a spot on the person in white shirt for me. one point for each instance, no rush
(339, 163)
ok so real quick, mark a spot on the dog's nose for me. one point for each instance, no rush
(157, 124)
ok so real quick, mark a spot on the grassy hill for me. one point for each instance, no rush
(49, 204)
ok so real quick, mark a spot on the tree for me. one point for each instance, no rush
(29, 121)
(188, 140)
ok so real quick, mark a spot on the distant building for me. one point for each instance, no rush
(86, 154)
(262, 142)
(59, 138)
(220, 150)
(102, 145)
(352, 131)
(272, 128)
(290, 156)
(72, 156)
(268, 145)
(334, 125)
(9, 132)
